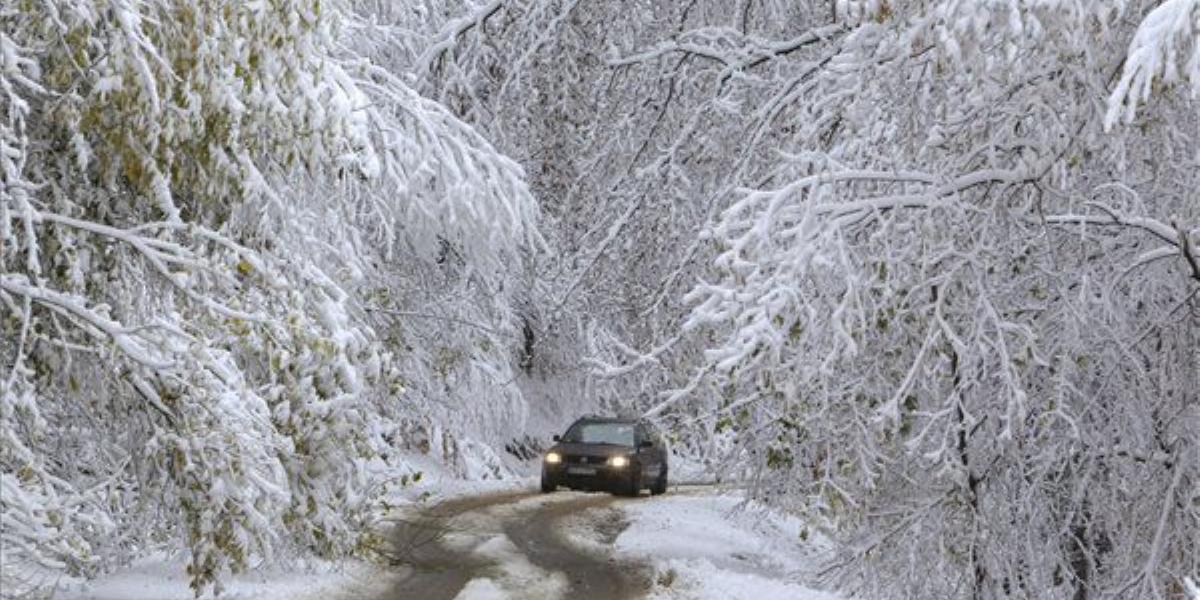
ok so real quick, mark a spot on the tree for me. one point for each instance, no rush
(935, 321)
(194, 195)
(941, 261)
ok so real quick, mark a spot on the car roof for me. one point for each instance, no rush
(601, 419)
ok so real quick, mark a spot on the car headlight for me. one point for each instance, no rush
(553, 458)
(618, 461)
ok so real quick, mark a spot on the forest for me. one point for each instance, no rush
(923, 273)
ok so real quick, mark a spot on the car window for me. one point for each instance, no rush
(601, 433)
(650, 432)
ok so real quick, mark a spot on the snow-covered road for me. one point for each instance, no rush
(691, 544)
(510, 545)
(485, 543)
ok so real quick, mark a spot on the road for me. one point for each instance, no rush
(484, 545)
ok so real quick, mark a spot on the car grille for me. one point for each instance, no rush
(584, 460)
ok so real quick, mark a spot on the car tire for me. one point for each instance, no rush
(660, 484)
(633, 487)
(548, 485)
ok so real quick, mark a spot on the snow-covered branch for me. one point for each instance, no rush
(445, 39)
(1165, 47)
(1183, 243)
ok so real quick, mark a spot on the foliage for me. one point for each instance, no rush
(927, 272)
(194, 194)
(942, 262)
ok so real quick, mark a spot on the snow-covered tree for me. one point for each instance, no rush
(952, 295)
(625, 162)
(961, 311)
(195, 196)
(925, 271)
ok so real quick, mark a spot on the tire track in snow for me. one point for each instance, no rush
(543, 540)
(508, 546)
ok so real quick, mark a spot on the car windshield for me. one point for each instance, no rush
(600, 433)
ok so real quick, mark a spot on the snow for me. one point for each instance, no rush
(437, 481)
(216, 326)
(158, 577)
(698, 580)
(1155, 52)
(482, 589)
(518, 577)
(477, 531)
(711, 545)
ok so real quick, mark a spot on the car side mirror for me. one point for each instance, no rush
(556, 438)
(646, 444)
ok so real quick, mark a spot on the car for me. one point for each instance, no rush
(618, 455)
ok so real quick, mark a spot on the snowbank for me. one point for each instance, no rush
(161, 578)
(706, 545)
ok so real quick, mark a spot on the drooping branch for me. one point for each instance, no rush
(445, 39)
(93, 321)
(734, 50)
(1179, 240)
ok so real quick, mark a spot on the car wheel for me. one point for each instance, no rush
(660, 484)
(634, 485)
(547, 485)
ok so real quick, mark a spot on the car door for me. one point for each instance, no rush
(660, 447)
(650, 458)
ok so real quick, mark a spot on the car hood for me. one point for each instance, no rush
(604, 450)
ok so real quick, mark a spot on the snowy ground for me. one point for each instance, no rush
(706, 545)
(484, 538)
(697, 543)
(161, 578)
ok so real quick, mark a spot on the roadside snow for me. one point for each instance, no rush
(161, 578)
(696, 579)
(705, 545)
(414, 478)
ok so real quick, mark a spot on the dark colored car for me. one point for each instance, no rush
(622, 456)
